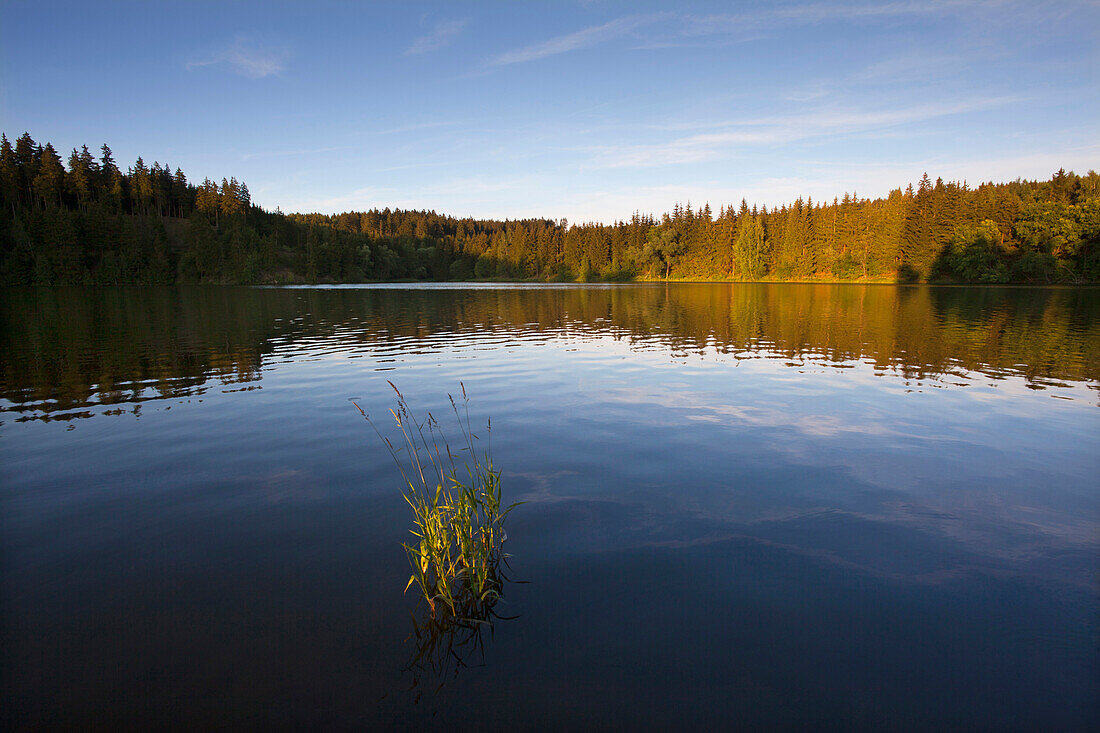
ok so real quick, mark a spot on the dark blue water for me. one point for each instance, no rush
(763, 506)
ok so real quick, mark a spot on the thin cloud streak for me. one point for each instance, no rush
(818, 12)
(814, 13)
(859, 119)
(823, 181)
(416, 126)
(290, 153)
(244, 59)
(479, 196)
(469, 194)
(584, 38)
(676, 29)
(441, 36)
(775, 130)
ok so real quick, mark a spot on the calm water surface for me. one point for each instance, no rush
(764, 506)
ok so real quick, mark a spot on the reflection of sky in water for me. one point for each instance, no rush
(734, 438)
(801, 477)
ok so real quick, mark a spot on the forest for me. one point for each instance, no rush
(86, 221)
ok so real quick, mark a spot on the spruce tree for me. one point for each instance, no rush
(180, 192)
(9, 175)
(26, 162)
(78, 182)
(111, 180)
(749, 249)
(49, 184)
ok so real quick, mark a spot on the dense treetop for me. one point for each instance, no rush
(86, 221)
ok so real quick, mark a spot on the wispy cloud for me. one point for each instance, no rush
(821, 180)
(819, 12)
(672, 30)
(460, 195)
(912, 67)
(416, 126)
(360, 199)
(584, 38)
(844, 120)
(441, 36)
(726, 136)
(497, 194)
(290, 153)
(244, 58)
(909, 68)
(814, 13)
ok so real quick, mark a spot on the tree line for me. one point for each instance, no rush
(86, 221)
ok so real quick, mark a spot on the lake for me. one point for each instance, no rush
(748, 505)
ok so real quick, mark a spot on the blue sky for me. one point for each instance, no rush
(585, 110)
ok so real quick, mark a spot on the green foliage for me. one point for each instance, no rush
(846, 267)
(750, 250)
(484, 267)
(1068, 232)
(458, 519)
(1050, 226)
(663, 246)
(1035, 267)
(975, 254)
(93, 223)
(461, 270)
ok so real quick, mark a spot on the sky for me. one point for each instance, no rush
(581, 110)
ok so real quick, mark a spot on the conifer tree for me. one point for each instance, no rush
(1044, 231)
(9, 175)
(179, 193)
(90, 166)
(918, 238)
(26, 160)
(79, 180)
(111, 179)
(141, 187)
(749, 249)
(49, 183)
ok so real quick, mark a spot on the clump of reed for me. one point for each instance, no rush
(458, 557)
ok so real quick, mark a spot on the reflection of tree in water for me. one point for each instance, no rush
(65, 350)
